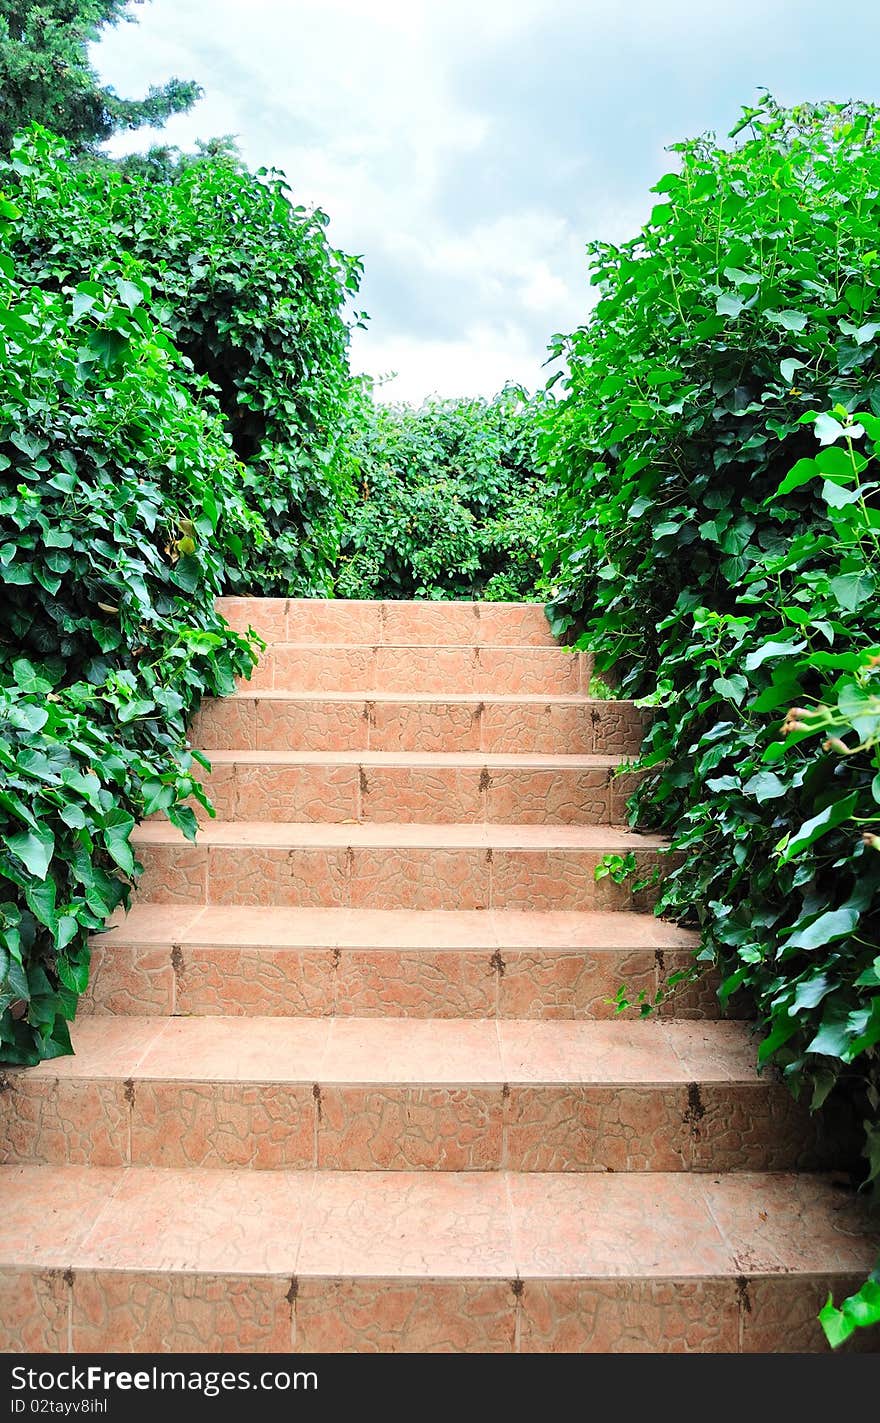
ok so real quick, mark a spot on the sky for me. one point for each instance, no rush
(469, 149)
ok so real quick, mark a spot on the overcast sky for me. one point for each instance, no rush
(468, 149)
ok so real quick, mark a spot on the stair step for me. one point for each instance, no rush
(407, 1093)
(424, 785)
(163, 959)
(133, 1259)
(416, 667)
(407, 721)
(337, 620)
(391, 866)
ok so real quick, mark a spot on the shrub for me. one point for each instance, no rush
(249, 291)
(121, 507)
(448, 500)
(717, 531)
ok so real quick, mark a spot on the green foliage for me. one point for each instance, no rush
(448, 501)
(717, 532)
(46, 77)
(121, 504)
(249, 291)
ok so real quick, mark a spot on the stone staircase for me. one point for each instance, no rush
(347, 1077)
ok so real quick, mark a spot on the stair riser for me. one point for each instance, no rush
(392, 877)
(373, 624)
(341, 1127)
(370, 982)
(112, 1311)
(265, 724)
(469, 669)
(428, 794)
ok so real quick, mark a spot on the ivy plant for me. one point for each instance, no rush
(250, 292)
(447, 501)
(122, 510)
(716, 527)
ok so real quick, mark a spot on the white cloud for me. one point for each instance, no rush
(469, 149)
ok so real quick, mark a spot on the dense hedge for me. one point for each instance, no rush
(248, 289)
(448, 500)
(121, 506)
(717, 536)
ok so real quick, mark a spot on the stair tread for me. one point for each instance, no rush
(490, 759)
(236, 926)
(281, 694)
(415, 1051)
(424, 1225)
(316, 834)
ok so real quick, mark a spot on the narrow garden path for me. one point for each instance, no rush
(348, 1076)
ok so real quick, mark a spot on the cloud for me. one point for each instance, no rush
(470, 150)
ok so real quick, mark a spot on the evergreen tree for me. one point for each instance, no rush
(45, 74)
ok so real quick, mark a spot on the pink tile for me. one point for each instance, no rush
(129, 1311)
(610, 1226)
(412, 1050)
(69, 1121)
(265, 1125)
(541, 669)
(334, 620)
(414, 1225)
(787, 1223)
(417, 878)
(515, 624)
(310, 724)
(410, 1128)
(34, 1308)
(267, 616)
(103, 1047)
(451, 983)
(629, 1316)
(427, 669)
(298, 792)
(590, 1128)
(129, 981)
(405, 1317)
(234, 1222)
(430, 623)
(554, 726)
(596, 1052)
(222, 724)
(422, 793)
(543, 983)
(256, 981)
(544, 797)
(174, 873)
(238, 1050)
(324, 668)
(425, 724)
(46, 1213)
(256, 875)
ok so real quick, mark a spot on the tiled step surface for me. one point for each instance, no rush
(551, 724)
(127, 1258)
(403, 1094)
(401, 667)
(417, 963)
(322, 622)
(390, 866)
(406, 1024)
(425, 786)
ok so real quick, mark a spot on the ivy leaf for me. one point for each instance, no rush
(817, 826)
(770, 649)
(790, 320)
(34, 848)
(826, 929)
